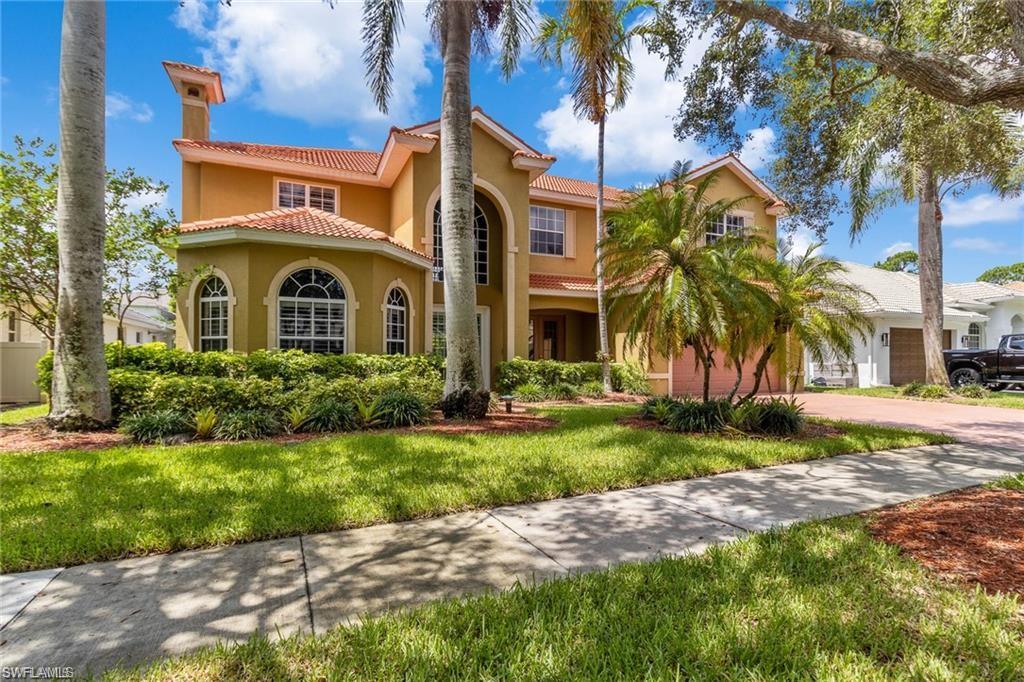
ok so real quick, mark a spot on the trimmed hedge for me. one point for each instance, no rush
(290, 366)
(151, 378)
(626, 377)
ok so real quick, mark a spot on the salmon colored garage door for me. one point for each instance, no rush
(906, 354)
(688, 378)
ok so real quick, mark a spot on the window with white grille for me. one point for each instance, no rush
(298, 195)
(213, 315)
(547, 231)
(479, 245)
(726, 224)
(396, 323)
(311, 312)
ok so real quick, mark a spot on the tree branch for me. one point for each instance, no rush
(958, 81)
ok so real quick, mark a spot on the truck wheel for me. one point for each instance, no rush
(964, 376)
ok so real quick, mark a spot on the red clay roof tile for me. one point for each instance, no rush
(353, 160)
(580, 188)
(543, 280)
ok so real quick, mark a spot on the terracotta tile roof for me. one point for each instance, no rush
(356, 161)
(192, 67)
(579, 188)
(540, 280)
(309, 221)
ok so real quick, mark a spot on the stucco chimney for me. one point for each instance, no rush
(198, 88)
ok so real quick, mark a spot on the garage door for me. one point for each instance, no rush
(688, 378)
(906, 354)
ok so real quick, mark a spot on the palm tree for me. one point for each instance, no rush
(80, 393)
(598, 40)
(458, 27)
(811, 304)
(677, 288)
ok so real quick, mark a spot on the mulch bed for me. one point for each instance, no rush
(36, 436)
(493, 423)
(972, 536)
(811, 430)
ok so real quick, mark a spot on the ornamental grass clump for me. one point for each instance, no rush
(246, 425)
(529, 393)
(400, 408)
(330, 415)
(777, 417)
(156, 426)
(694, 416)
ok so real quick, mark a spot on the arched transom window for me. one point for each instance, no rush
(213, 315)
(479, 245)
(396, 332)
(312, 312)
(973, 338)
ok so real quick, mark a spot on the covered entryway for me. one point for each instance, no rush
(906, 354)
(688, 377)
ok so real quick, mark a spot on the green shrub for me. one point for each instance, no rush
(657, 407)
(592, 389)
(331, 416)
(974, 391)
(563, 391)
(933, 392)
(911, 389)
(466, 404)
(222, 394)
(155, 426)
(369, 413)
(770, 416)
(129, 392)
(695, 416)
(401, 408)
(246, 425)
(630, 377)
(204, 421)
(529, 393)
(295, 417)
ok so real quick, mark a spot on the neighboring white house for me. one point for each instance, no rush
(21, 345)
(976, 315)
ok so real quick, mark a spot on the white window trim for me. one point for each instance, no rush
(433, 245)
(566, 248)
(307, 184)
(271, 303)
(485, 338)
(227, 310)
(192, 308)
(748, 221)
(410, 312)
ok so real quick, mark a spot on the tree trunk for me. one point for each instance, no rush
(759, 369)
(602, 310)
(80, 393)
(739, 378)
(929, 246)
(462, 367)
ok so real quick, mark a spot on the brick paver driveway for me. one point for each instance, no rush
(1000, 426)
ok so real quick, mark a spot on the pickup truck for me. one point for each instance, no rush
(995, 369)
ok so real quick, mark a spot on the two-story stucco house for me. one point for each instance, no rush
(338, 250)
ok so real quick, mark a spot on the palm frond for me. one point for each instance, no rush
(382, 21)
(516, 26)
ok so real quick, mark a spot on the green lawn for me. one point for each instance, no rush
(818, 601)
(64, 508)
(18, 415)
(994, 399)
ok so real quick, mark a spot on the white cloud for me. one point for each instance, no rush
(896, 247)
(982, 209)
(757, 150)
(122, 106)
(639, 137)
(138, 201)
(799, 241)
(978, 244)
(304, 59)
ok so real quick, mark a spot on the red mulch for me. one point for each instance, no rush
(494, 422)
(36, 436)
(810, 430)
(973, 536)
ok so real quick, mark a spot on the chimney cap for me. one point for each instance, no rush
(181, 73)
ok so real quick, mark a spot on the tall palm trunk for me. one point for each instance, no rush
(929, 241)
(602, 311)
(462, 366)
(80, 394)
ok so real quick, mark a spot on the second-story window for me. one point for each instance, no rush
(726, 224)
(298, 195)
(547, 231)
(479, 245)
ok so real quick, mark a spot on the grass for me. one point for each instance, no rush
(1015, 482)
(995, 399)
(17, 415)
(817, 601)
(64, 508)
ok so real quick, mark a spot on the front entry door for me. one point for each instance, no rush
(547, 337)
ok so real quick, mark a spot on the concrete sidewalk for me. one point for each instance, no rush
(94, 616)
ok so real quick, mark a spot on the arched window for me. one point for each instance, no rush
(479, 245)
(311, 312)
(973, 338)
(396, 332)
(213, 315)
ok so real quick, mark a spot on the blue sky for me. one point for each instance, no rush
(293, 75)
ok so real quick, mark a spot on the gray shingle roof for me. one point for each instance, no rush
(894, 292)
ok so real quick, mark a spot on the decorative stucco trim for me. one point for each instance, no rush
(510, 262)
(351, 303)
(534, 291)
